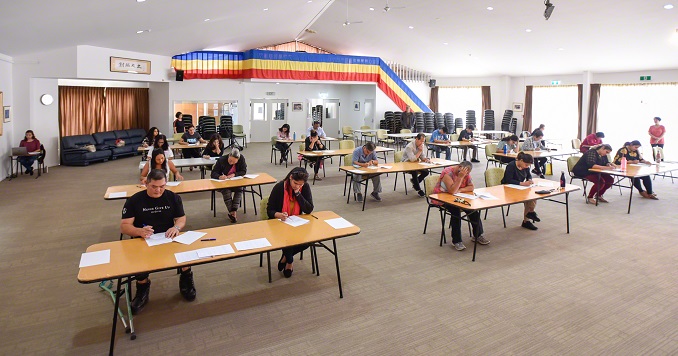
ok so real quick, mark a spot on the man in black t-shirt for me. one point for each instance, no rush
(155, 210)
(467, 136)
(190, 137)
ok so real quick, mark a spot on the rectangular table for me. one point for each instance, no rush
(14, 160)
(189, 162)
(397, 167)
(341, 153)
(133, 257)
(636, 171)
(462, 144)
(492, 132)
(507, 196)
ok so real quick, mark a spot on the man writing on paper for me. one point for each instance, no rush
(155, 210)
(440, 136)
(364, 157)
(416, 151)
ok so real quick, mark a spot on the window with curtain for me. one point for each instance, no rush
(625, 113)
(457, 100)
(557, 107)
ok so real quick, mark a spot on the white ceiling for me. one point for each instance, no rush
(582, 35)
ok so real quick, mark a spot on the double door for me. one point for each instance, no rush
(266, 117)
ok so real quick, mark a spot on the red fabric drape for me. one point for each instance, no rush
(81, 110)
(592, 124)
(527, 114)
(433, 101)
(487, 104)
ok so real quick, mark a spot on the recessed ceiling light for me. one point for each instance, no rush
(206, 20)
(309, 1)
(265, 9)
(445, 43)
(528, 30)
(490, 8)
(371, 9)
(277, 83)
(561, 49)
(668, 6)
(141, 0)
(140, 31)
(411, 27)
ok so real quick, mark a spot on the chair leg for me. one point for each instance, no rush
(426, 223)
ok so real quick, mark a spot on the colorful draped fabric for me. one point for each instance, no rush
(274, 65)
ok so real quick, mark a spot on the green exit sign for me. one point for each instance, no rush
(646, 77)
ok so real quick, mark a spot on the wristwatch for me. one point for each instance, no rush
(177, 227)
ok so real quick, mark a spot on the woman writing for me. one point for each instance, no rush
(313, 143)
(158, 161)
(630, 151)
(511, 144)
(535, 143)
(595, 158)
(161, 142)
(290, 197)
(518, 173)
(283, 134)
(214, 148)
(229, 166)
(150, 137)
(32, 145)
(657, 133)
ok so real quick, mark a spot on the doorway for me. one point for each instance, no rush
(267, 115)
(331, 120)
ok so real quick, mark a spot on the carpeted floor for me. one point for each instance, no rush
(609, 287)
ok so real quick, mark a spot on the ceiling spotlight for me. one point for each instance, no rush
(141, 0)
(549, 9)
(668, 6)
(490, 8)
(411, 27)
(371, 9)
(528, 30)
(206, 20)
(265, 9)
(445, 43)
(561, 49)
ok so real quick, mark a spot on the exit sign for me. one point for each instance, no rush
(555, 82)
(270, 93)
(645, 77)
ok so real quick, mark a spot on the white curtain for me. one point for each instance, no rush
(557, 108)
(457, 100)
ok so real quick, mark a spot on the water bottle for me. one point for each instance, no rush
(623, 164)
(658, 157)
(504, 149)
(562, 179)
(294, 136)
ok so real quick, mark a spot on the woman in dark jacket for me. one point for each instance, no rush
(518, 173)
(292, 196)
(313, 143)
(227, 167)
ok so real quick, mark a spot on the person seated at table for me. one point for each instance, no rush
(457, 179)
(540, 128)
(150, 137)
(591, 140)
(467, 136)
(159, 161)
(229, 166)
(595, 158)
(365, 156)
(416, 151)
(32, 144)
(151, 211)
(518, 173)
(313, 143)
(190, 137)
(440, 136)
(511, 144)
(283, 134)
(214, 148)
(290, 197)
(316, 127)
(535, 143)
(160, 142)
(630, 151)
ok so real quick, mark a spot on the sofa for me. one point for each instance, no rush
(73, 153)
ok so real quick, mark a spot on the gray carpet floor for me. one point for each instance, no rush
(609, 287)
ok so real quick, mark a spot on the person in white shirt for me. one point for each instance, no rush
(416, 151)
(317, 128)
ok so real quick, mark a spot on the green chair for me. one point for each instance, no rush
(493, 177)
(347, 133)
(398, 157)
(571, 162)
(368, 135)
(490, 149)
(239, 132)
(429, 184)
(382, 138)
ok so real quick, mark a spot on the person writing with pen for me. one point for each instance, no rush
(150, 211)
(290, 197)
(518, 173)
(457, 179)
(364, 157)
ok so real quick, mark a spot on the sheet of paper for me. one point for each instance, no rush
(187, 256)
(428, 163)
(157, 239)
(329, 151)
(172, 184)
(95, 258)
(252, 244)
(356, 171)
(295, 221)
(544, 184)
(117, 195)
(386, 167)
(339, 223)
(250, 176)
(515, 186)
(216, 180)
(638, 164)
(189, 237)
(373, 167)
(235, 178)
(466, 196)
(215, 251)
(487, 196)
(33, 153)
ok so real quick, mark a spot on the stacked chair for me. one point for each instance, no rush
(470, 117)
(488, 120)
(187, 119)
(420, 121)
(207, 126)
(439, 120)
(429, 123)
(449, 121)
(506, 120)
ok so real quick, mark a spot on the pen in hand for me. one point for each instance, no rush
(314, 216)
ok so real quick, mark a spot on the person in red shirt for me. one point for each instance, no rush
(591, 140)
(657, 133)
(32, 144)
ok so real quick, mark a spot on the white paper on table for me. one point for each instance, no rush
(339, 223)
(117, 195)
(295, 221)
(157, 239)
(516, 186)
(192, 144)
(487, 196)
(216, 180)
(466, 196)
(373, 167)
(329, 151)
(250, 176)
(215, 251)
(544, 184)
(386, 167)
(172, 184)
(214, 158)
(235, 178)
(95, 258)
(34, 153)
(356, 171)
(189, 237)
(252, 244)
(428, 163)
(186, 256)
(638, 165)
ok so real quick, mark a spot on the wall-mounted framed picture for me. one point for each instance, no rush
(6, 113)
(127, 65)
(518, 107)
(297, 107)
(356, 106)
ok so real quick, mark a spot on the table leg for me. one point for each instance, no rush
(115, 316)
(600, 176)
(336, 261)
(630, 194)
(367, 182)
(268, 259)
(567, 211)
(475, 246)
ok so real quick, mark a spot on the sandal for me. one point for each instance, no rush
(281, 264)
(317, 178)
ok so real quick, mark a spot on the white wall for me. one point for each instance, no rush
(46, 130)
(160, 107)
(94, 63)
(6, 142)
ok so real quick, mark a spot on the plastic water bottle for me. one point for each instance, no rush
(658, 157)
(294, 136)
(504, 149)
(623, 164)
(562, 179)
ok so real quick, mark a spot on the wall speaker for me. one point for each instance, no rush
(432, 83)
(180, 75)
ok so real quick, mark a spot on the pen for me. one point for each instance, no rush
(208, 240)
(314, 216)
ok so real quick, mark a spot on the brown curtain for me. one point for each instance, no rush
(580, 103)
(127, 108)
(487, 104)
(592, 124)
(433, 102)
(527, 113)
(81, 110)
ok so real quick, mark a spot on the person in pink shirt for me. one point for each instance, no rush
(591, 140)
(32, 144)
(657, 133)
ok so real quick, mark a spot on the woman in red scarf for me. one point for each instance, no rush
(291, 196)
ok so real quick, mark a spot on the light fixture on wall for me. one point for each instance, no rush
(46, 99)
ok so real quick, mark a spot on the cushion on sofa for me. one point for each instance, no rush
(77, 141)
(104, 138)
(121, 134)
(135, 136)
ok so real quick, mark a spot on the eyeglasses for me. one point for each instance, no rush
(462, 201)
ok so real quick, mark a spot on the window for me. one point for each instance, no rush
(556, 107)
(457, 100)
(215, 109)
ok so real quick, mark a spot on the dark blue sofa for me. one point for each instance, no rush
(72, 153)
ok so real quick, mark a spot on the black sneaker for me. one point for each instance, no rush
(529, 225)
(535, 171)
(475, 160)
(359, 197)
(141, 297)
(533, 216)
(186, 286)
(421, 193)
